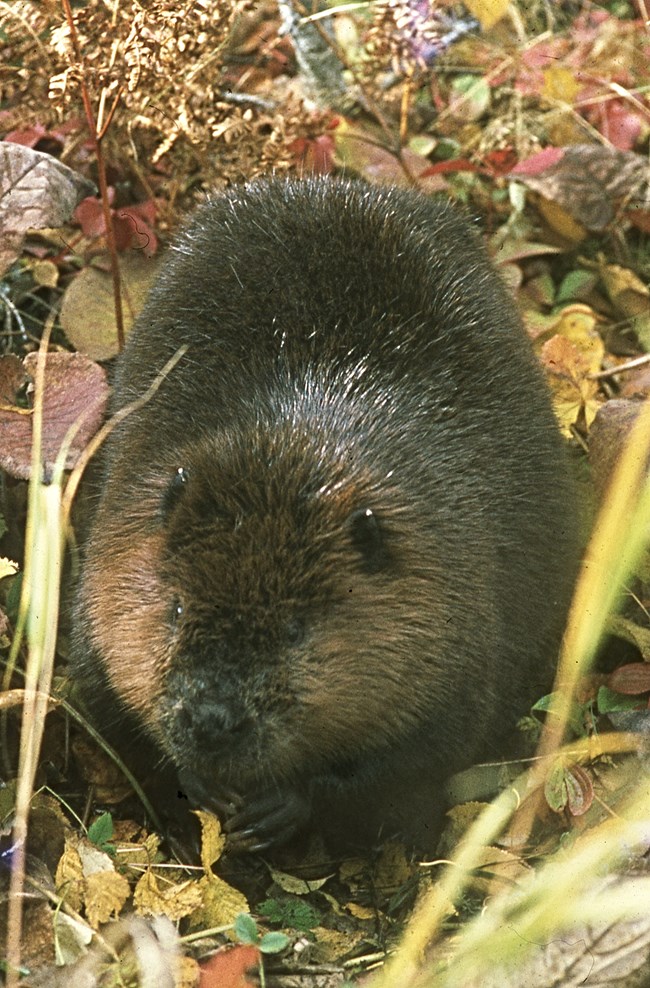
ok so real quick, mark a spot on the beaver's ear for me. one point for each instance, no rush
(173, 492)
(369, 540)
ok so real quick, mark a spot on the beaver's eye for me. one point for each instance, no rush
(173, 491)
(295, 632)
(368, 540)
(176, 612)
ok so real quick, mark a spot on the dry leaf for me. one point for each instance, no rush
(330, 945)
(69, 877)
(588, 181)
(230, 966)
(297, 886)
(88, 308)
(392, 869)
(106, 893)
(36, 191)
(575, 396)
(212, 840)
(220, 903)
(76, 391)
(173, 901)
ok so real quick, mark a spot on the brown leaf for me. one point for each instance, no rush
(75, 390)
(587, 180)
(631, 679)
(609, 434)
(36, 191)
(88, 308)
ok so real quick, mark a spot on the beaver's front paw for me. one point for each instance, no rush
(267, 819)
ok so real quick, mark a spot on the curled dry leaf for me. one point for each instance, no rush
(36, 191)
(76, 391)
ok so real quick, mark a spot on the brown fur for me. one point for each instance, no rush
(359, 577)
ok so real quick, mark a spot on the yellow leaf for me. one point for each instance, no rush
(188, 973)
(106, 893)
(69, 878)
(173, 901)
(360, 912)
(45, 273)
(297, 886)
(574, 394)
(220, 904)
(487, 12)
(560, 84)
(212, 840)
(626, 290)
(560, 221)
(577, 323)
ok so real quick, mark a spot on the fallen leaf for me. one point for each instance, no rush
(220, 903)
(587, 181)
(212, 839)
(631, 679)
(76, 391)
(230, 967)
(575, 396)
(151, 896)
(105, 895)
(36, 191)
(88, 308)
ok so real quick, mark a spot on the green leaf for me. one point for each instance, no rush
(576, 716)
(246, 929)
(610, 702)
(555, 787)
(576, 286)
(293, 912)
(101, 831)
(273, 943)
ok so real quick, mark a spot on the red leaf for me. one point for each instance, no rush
(455, 165)
(29, 136)
(229, 968)
(539, 162)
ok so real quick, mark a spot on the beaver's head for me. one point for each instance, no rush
(268, 604)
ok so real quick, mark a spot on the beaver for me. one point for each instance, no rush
(333, 553)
